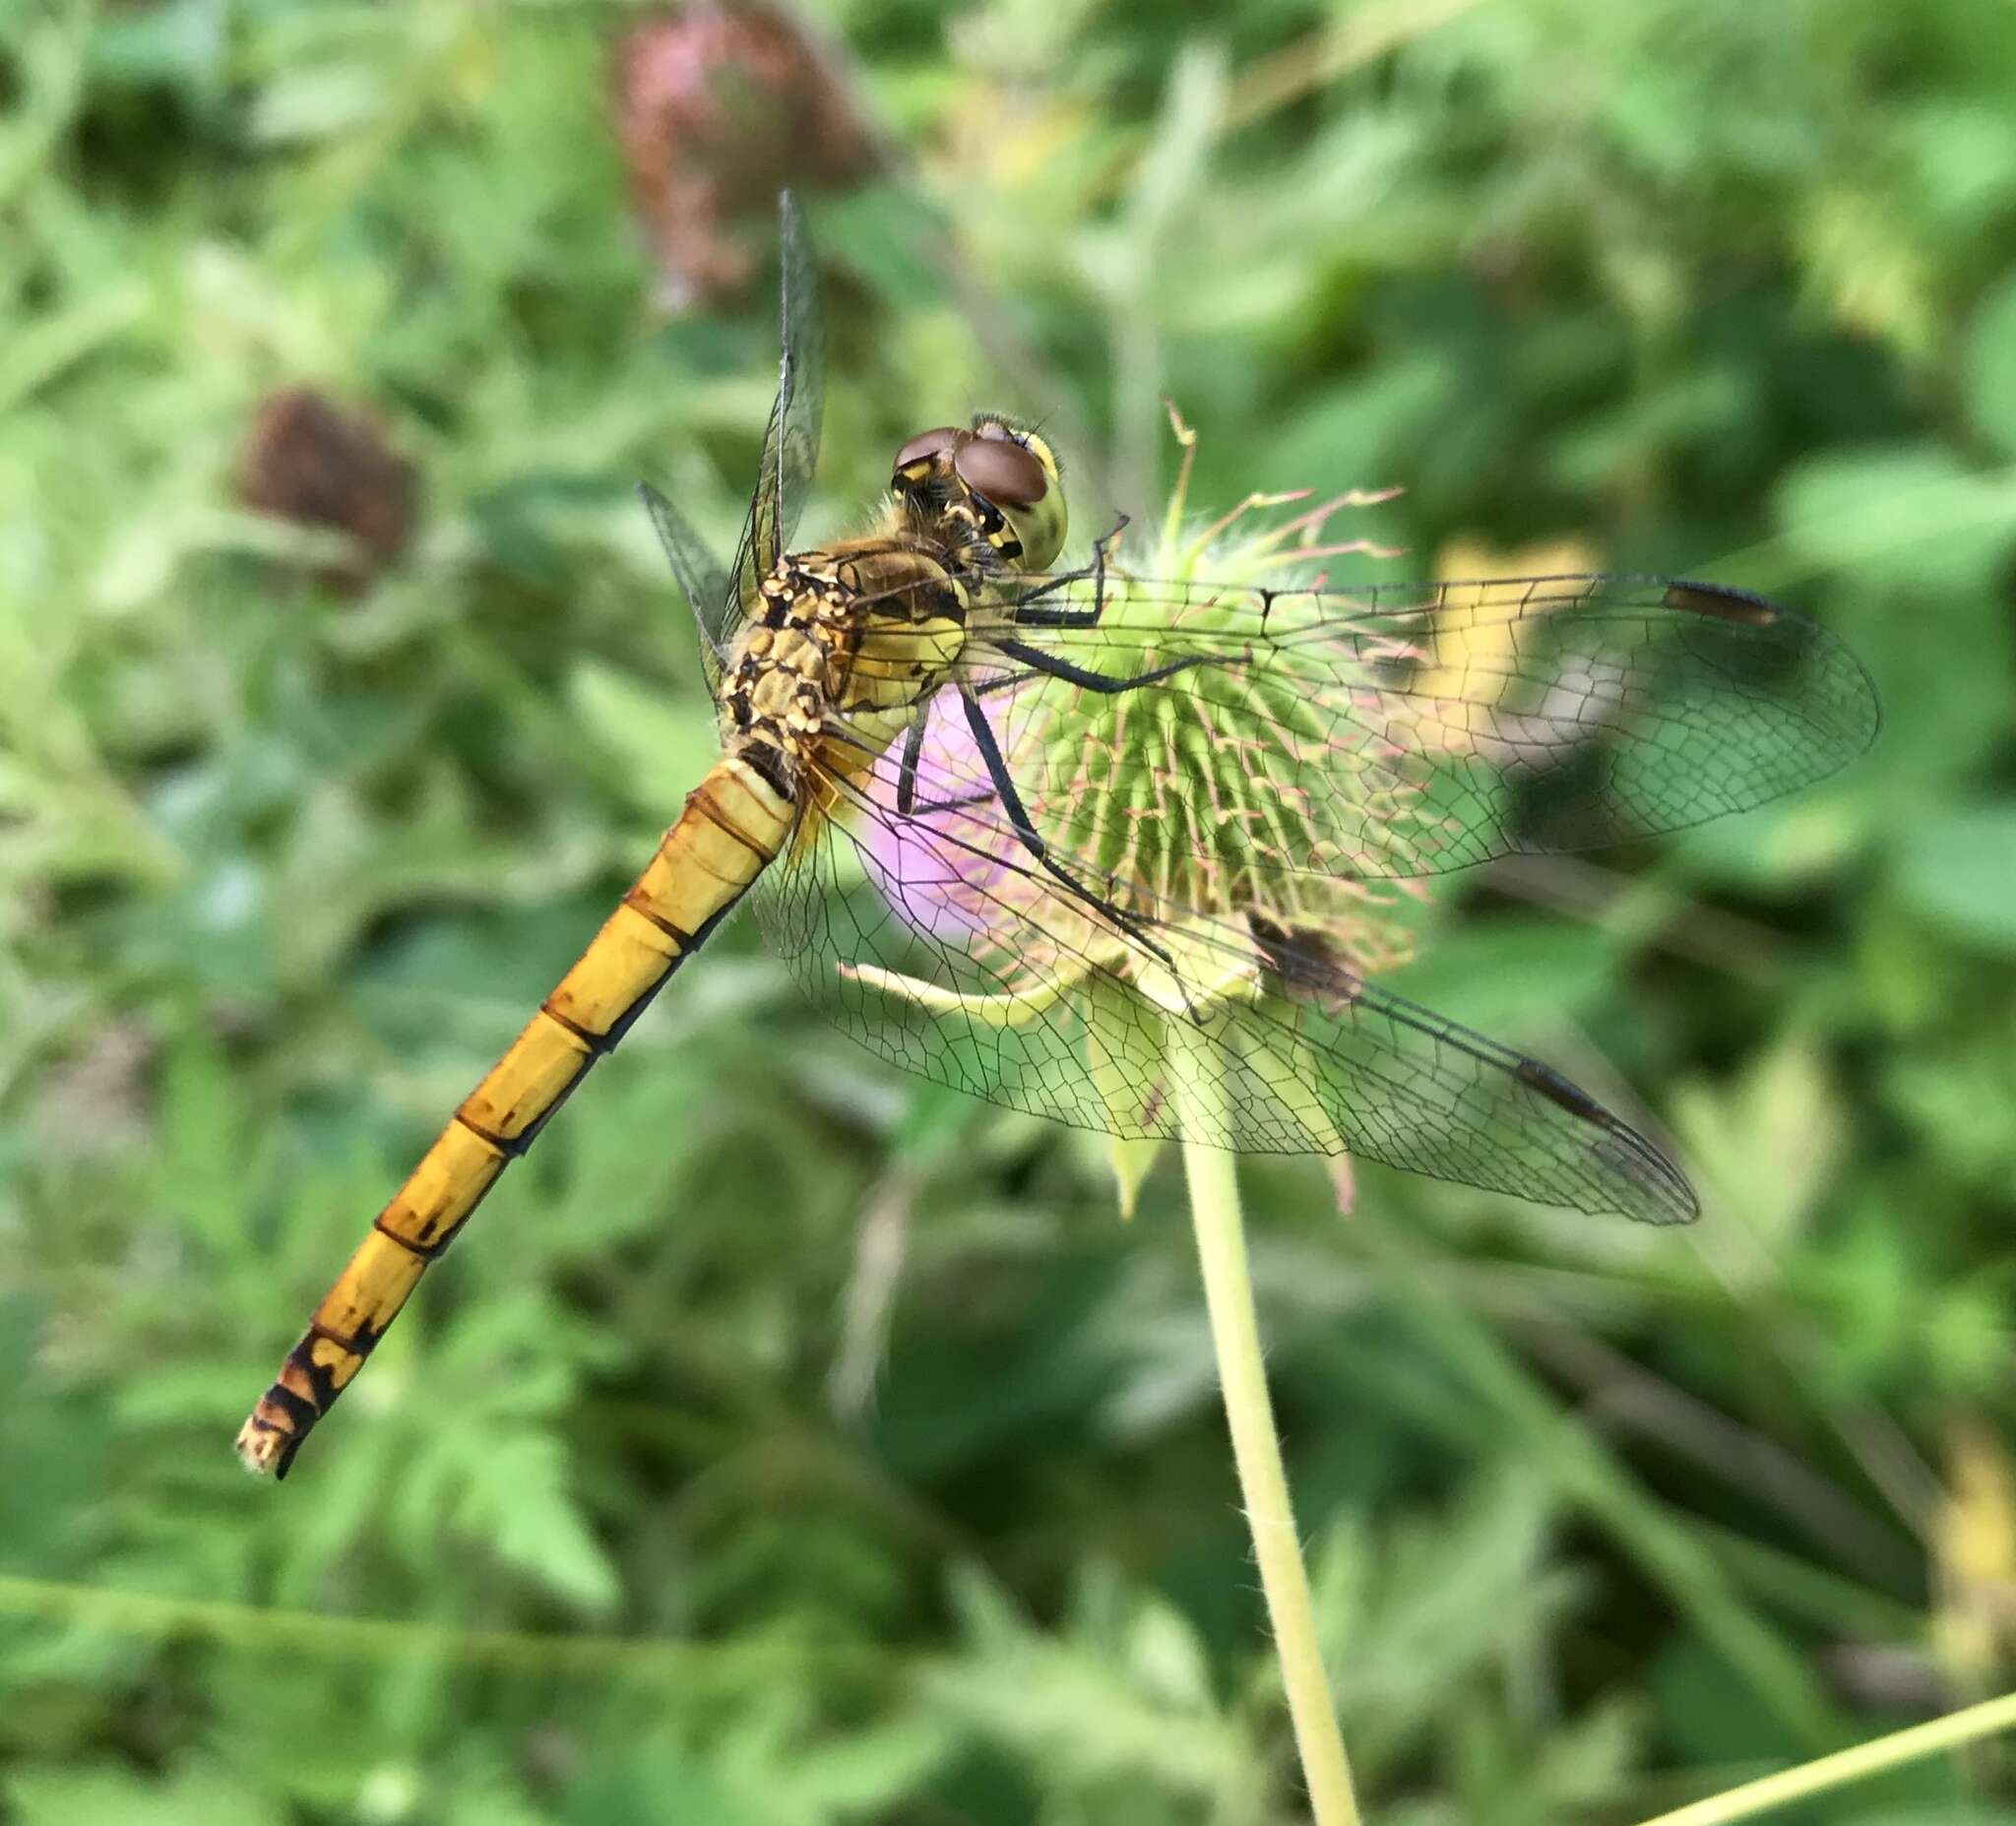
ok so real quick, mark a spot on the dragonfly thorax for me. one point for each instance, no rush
(845, 644)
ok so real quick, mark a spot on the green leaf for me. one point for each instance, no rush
(1958, 869)
(1770, 1142)
(1511, 977)
(516, 1499)
(104, 1797)
(664, 745)
(1914, 517)
(1987, 366)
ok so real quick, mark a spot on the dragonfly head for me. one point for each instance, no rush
(998, 476)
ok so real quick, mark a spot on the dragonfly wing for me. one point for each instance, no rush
(698, 571)
(941, 942)
(790, 443)
(1407, 730)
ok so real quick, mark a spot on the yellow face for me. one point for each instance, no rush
(999, 477)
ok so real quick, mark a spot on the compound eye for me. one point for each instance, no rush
(923, 447)
(1002, 470)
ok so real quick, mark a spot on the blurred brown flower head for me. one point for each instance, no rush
(309, 461)
(718, 109)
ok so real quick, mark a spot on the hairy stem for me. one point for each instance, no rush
(1256, 1450)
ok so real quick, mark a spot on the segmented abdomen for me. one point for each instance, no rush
(734, 824)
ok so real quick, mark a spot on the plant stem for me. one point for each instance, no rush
(1851, 1765)
(1256, 1450)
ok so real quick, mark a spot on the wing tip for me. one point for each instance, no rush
(1668, 1197)
(1857, 718)
(1664, 1194)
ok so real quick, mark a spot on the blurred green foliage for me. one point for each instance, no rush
(793, 1443)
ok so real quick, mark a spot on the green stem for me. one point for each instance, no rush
(1845, 1766)
(1256, 1450)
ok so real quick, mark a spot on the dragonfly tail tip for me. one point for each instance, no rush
(264, 1449)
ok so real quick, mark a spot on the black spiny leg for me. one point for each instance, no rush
(1038, 661)
(1031, 611)
(907, 805)
(1031, 838)
(907, 768)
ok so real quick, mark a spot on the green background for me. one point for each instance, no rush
(790, 1441)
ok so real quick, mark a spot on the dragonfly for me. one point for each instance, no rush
(1106, 847)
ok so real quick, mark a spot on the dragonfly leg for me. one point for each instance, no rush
(907, 768)
(1030, 612)
(1031, 838)
(907, 805)
(1038, 661)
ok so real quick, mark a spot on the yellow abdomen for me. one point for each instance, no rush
(734, 824)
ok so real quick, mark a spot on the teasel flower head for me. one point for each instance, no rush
(1226, 809)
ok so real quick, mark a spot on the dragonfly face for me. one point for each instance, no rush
(997, 482)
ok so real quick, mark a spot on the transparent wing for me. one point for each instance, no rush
(1004, 900)
(942, 943)
(1403, 730)
(698, 571)
(790, 444)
